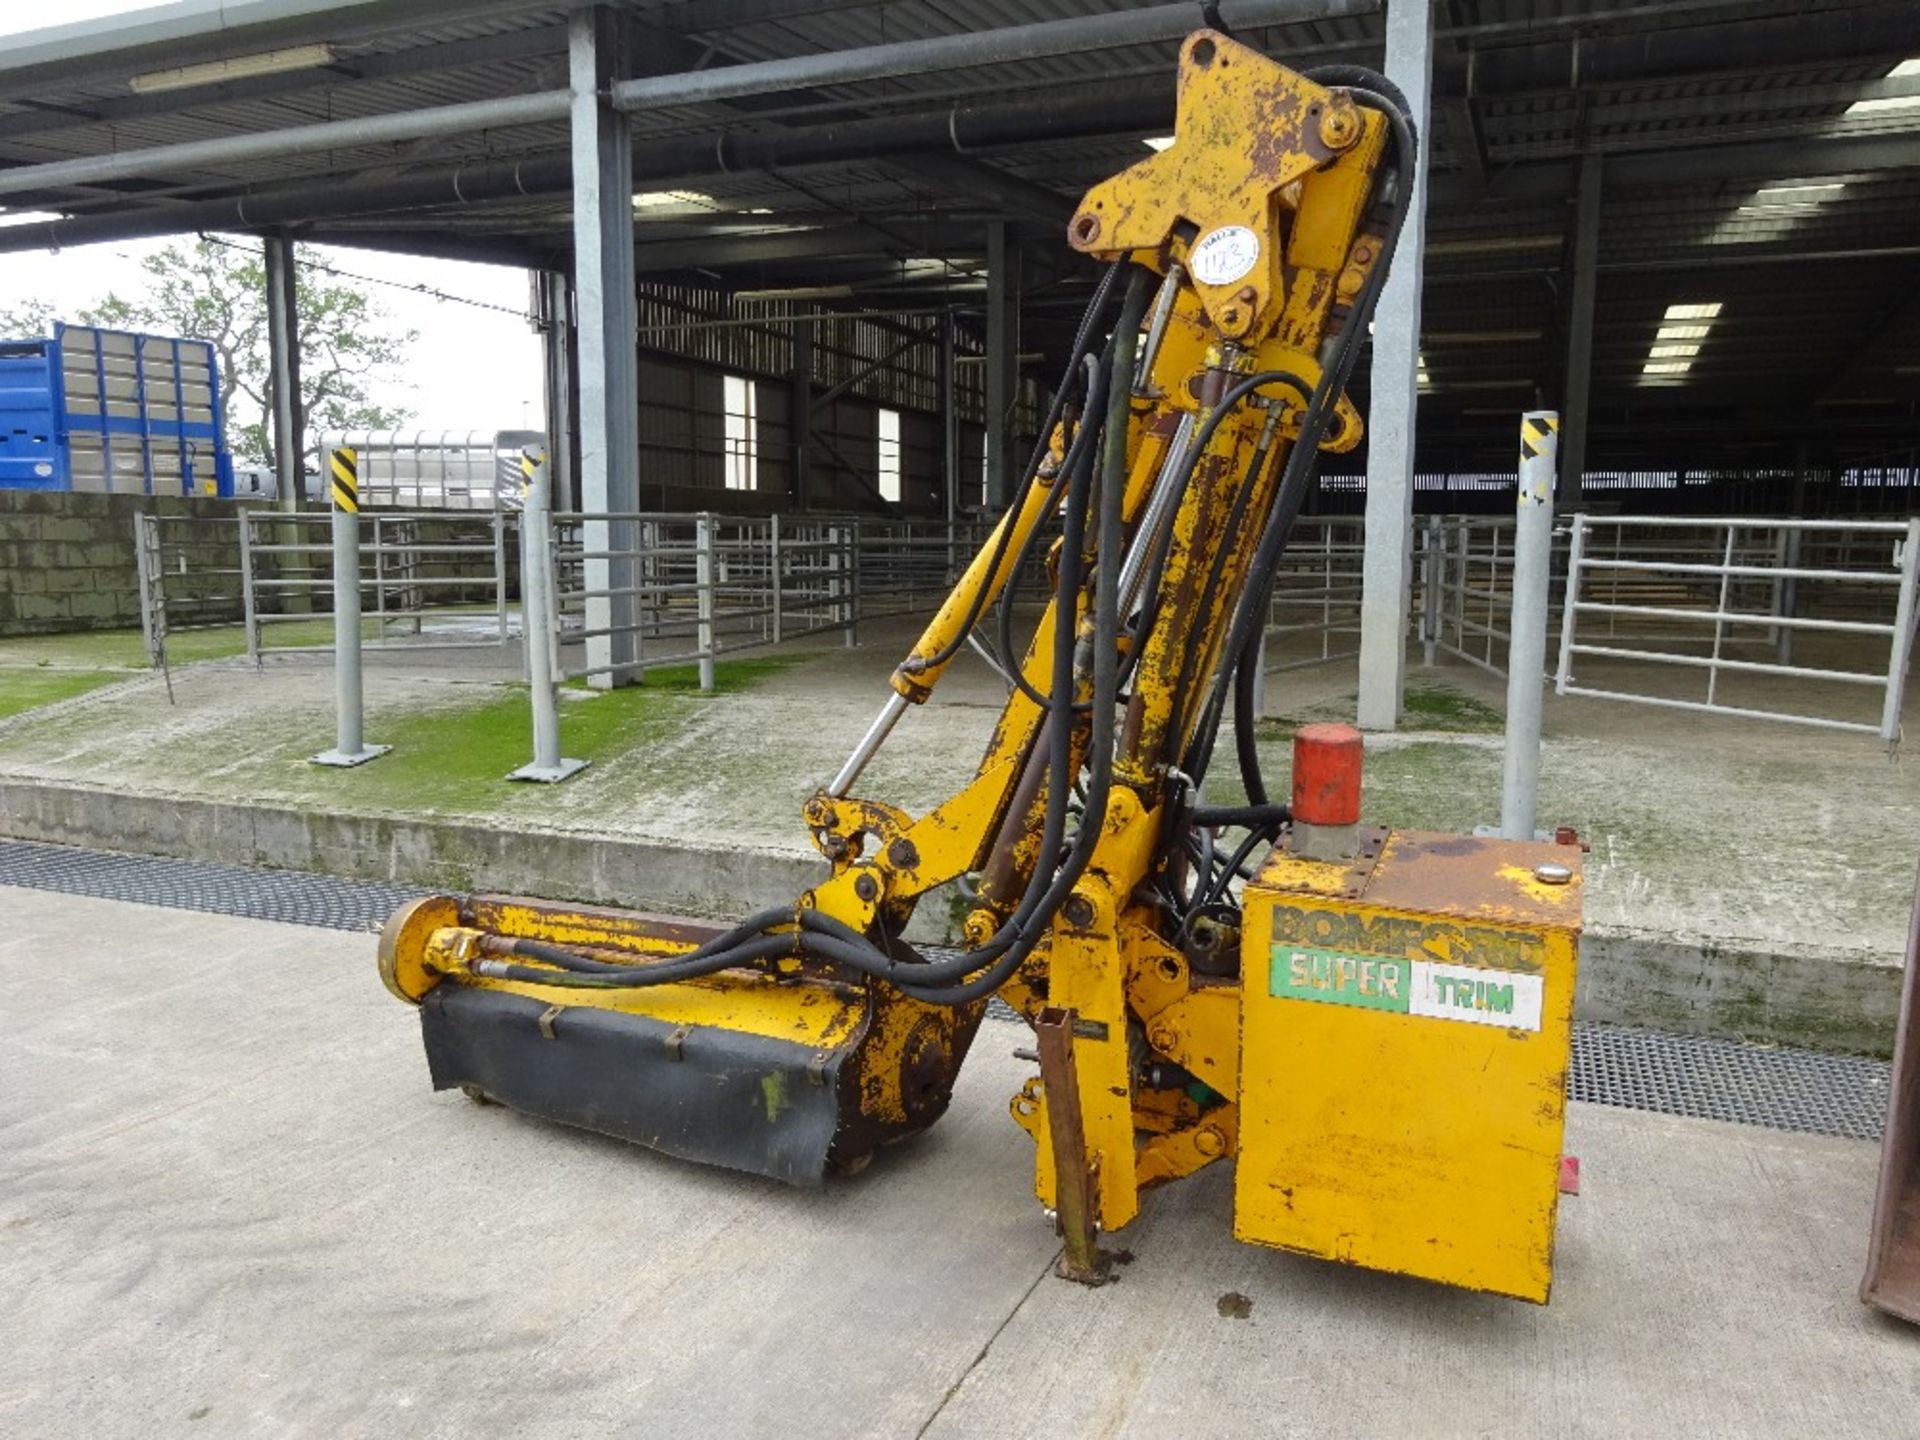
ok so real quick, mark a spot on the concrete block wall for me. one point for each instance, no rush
(67, 561)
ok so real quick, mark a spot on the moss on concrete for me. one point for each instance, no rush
(24, 688)
(453, 759)
(125, 650)
(1440, 707)
(1430, 705)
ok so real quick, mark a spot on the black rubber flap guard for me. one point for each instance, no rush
(741, 1101)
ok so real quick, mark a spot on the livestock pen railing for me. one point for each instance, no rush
(1313, 614)
(1463, 583)
(1739, 604)
(429, 579)
(653, 588)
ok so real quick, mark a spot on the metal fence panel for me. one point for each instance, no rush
(1732, 598)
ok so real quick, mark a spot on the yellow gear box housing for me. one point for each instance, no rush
(1405, 1032)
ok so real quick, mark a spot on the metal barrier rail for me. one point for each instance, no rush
(179, 588)
(906, 566)
(1316, 593)
(1463, 586)
(1741, 593)
(701, 585)
(410, 580)
(262, 568)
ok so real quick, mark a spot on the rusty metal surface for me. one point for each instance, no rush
(1892, 1281)
(1475, 878)
(1247, 129)
(1298, 875)
(560, 923)
(1081, 1258)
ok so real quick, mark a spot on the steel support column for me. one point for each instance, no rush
(604, 291)
(283, 360)
(800, 404)
(1387, 567)
(1586, 256)
(1001, 375)
(554, 306)
(949, 427)
(283, 386)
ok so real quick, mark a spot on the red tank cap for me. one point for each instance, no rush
(1326, 775)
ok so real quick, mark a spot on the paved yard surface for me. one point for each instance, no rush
(230, 1206)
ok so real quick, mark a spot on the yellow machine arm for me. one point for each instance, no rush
(1241, 265)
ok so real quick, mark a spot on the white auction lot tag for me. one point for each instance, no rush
(1224, 255)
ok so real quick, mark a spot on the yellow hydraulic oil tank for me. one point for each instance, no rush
(1406, 1024)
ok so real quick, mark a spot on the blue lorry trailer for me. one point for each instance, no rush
(112, 412)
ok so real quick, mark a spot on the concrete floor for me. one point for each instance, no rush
(232, 1207)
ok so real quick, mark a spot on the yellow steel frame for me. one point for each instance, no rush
(1262, 152)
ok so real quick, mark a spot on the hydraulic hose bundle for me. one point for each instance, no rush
(1093, 477)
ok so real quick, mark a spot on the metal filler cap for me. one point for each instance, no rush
(1551, 874)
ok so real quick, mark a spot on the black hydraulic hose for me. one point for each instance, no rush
(1015, 939)
(1350, 76)
(1079, 456)
(1257, 816)
(1245, 671)
(572, 976)
(1246, 675)
(857, 951)
(1163, 546)
(1236, 516)
(1088, 322)
(1106, 678)
(1003, 953)
(1243, 634)
(1059, 738)
(756, 924)
(1235, 868)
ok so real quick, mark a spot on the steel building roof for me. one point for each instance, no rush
(1735, 170)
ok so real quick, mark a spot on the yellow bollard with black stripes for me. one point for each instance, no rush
(343, 470)
(349, 744)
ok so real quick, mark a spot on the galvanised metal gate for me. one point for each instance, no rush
(428, 580)
(1731, 599)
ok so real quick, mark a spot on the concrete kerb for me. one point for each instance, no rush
(592, 869)
(1837, 1000)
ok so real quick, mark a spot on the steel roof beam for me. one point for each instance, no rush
(1149, 24)
(1796, 159)
(503, 112)
(1897, 323)
(732, 82)
(847, 240)
(195, 31)
(1122, 108)
(384, 65)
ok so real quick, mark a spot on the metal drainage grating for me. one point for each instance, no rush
(1690, 1075)
(289, 896)
(1703, 1078)
(1709, 1079)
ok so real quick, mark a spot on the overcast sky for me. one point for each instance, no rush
(471, 369)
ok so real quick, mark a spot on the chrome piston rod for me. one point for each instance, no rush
(1159, 511)
(1133, 570)
(870, 742)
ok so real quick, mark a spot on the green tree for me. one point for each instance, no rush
(215, 289)
(28, 320)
